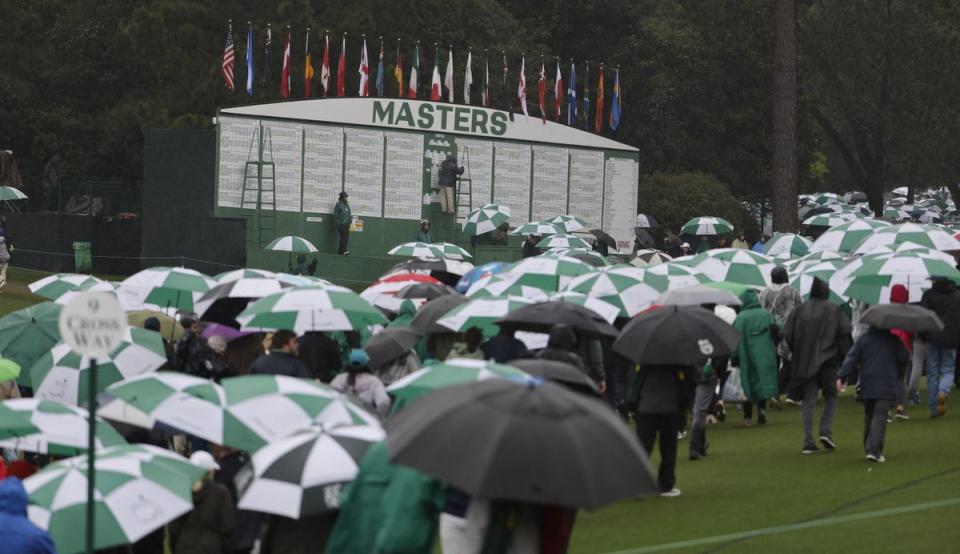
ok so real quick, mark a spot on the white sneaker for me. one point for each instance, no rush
(674, 492)
(876, 459)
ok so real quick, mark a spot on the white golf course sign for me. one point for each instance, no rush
(93, 324)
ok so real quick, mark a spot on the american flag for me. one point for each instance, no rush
(227, 68)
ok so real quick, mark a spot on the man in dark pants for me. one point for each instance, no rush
(661, 400)
(342, 219)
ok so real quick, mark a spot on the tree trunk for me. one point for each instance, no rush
(785, 120)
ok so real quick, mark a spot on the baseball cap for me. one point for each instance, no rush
(205, 460)
(358, 358)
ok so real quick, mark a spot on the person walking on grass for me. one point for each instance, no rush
(342, 219)
(661, 398)
(780, 299)
(756, 355)
(900, 295)
(944, 299)
(877, 360)
(818, 335)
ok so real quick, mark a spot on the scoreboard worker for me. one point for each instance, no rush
(449, 170)
(342, 218)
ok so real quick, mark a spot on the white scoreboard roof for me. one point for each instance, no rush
(437, 117)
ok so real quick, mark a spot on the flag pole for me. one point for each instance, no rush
(91, 452)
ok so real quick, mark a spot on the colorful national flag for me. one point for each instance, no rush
(285, 74)
(572, 95)
(414, 73)
(557, 93)
(468, 78)
(600, 93)
(448, 76)
(249, 60)
(615, 102)
(364, 71)
(522, 87)
(227, 67)
(379, 82)
(307, 68)
(435, 92)
(267, 49)
(342, 68)
(542, 92)
(586, 99)
(325, 66)
(485, 88)
(398, 72)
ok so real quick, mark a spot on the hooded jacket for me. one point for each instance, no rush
(405, 314)
(562, 341)
(209, 526)
(817, 333)
(20, 535)
(900, 295)
(877, 358)
(756, 354)
(944, 299)
(780, 299)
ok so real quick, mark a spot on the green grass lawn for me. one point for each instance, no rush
(756, 478)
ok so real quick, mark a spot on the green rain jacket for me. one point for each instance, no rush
(341, 214)
(756, 354)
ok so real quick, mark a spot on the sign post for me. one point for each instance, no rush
(92, 325)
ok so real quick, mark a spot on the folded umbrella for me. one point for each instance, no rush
(523, 442)
(559, 372)
(909, 317)
(429, 313)
(542, 316)
(391, 343)
(676, 335)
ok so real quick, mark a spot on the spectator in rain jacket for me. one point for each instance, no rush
(209, 526)
(560, 346)
(900, 295)
(20, 535)
(503, 347)
(944, 299)
(423, 232)
(362, 384)
(756, 355)
(405, 315)
(342, 219)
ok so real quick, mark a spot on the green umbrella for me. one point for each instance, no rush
(55, 286)
(934, 237)
(451, 251)
(567, 223)
(28, 334)
(47, 427)
(9, 369)
(733, 264)
(456, 371)
(136, 493)
(786, 246)
(872, 282)
(416, 250)
(829, 220)
(701, 226)
(562, 240)
(319, 308)
(630, 289)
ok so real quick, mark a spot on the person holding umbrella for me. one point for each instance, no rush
(530, 246)
(342, 218)
(209, 526)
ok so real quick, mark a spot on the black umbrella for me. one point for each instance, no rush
(910, 318)
(542, 316)
(523, 442)
(391, 343)
(604, 237)
(429, 313)
(552, 370)
(424, 290)
(646, 221)
(684, 335)
(224, 302)
(644, 238)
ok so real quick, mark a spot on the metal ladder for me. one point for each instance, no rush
(463, 192)
(259, 191)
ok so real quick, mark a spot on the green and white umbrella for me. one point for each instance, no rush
(486, 218)
(604, 309)
(706, 226)
(567, 223)
(302, 309)
(163, 287)
(845, 237)
(416, 250)
(587, 255)
(829, 220)
(29, 333)
(245, 273)
(305, 473)
(827, 198)
(455, 371)
(94, 286)
(733, 265)
(931, 236)
(609, 284)
(803, 281)
(450, 251)
(54, 286)
(537, 228)
(47, 427)
(291, 243)
(649, 256)
(524, 278)
(302, 280)
(481, 313)
(785, 246)
(11, 193)
(896, 214)
(133, 496)
(871, 283)
(563, 240)
(61, 374)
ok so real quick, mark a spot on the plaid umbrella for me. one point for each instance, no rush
(451, 251)
(930, 236)
(706, 226)
(649, 256)
(481, 313)
(846, 236)
(486, 218)
(456, 371)
(786, 246)
(54, 286)
(305, 473)
(245, 273)
(302, 309)
(60, 375)
(416, 250)
(562, 241)
(538, 228)
(164, 287)
(567, 223)
(47, 427)
(290, 243)
(133, 497)
(871, 283)
(28, 334)
(828, 220)
(11, 193)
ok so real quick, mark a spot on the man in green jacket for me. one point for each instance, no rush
(342, 219)
(423, 233)
(756, 356)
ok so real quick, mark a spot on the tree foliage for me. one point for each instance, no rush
(676, 199)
